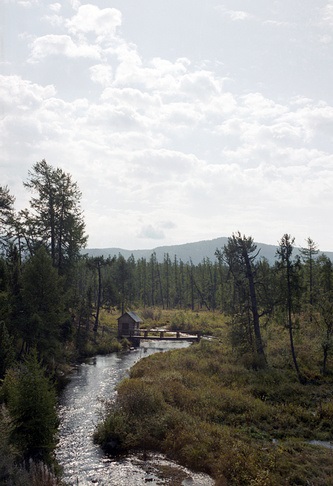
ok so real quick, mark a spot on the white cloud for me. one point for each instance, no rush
(167, 224)
(75, 4)
(28, 3)
(54, 20)
(134, 97)
(22, 95)
(325, 39)
(90, 19)
(327, 14)
(201, 84)
(162, 165)
(261, 106)
(234, 15)
(55, 7)
(151, 233)
(165, 67)
(101, 74)
(276, 23)
(161, 146)
(61, 45)
(239, 15)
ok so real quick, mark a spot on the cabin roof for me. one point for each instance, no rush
(133, 315)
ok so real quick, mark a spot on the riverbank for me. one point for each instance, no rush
(80, 408)
(204, 408)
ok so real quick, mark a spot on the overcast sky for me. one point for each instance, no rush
(180, 120)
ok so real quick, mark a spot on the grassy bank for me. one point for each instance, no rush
(205, 407)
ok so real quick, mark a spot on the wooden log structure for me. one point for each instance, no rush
(129, 328)
(138, 335)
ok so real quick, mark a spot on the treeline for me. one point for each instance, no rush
(209, 285)
(51, 293)
(297, 288)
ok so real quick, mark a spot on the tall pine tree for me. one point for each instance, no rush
(55, 219)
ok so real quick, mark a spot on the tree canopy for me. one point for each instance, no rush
(55, 219)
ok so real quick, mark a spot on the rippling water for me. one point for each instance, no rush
(83, 462)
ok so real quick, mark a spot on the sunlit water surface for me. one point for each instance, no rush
(83, 462)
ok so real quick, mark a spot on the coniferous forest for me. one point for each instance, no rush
(58, 305)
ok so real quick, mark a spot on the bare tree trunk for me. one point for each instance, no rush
(290, 327)
(99, 298)
(254, 309)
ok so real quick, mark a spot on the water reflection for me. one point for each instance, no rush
(80, 404)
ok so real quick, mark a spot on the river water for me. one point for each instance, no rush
(80, 406)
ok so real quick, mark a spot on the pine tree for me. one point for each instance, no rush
(290, 290)
(324, 306)
(308, 255)
(56, 219)
(240, 254)
(43, 303)
(7, 351)
(31, 401)
(6, 216)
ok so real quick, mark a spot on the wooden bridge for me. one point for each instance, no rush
(138, 335)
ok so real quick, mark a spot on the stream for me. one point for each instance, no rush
(83, 462)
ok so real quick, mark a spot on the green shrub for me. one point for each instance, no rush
(137, 398)
(151, 314)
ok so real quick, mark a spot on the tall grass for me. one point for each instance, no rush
(206, 407)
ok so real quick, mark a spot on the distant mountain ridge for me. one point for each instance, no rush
(186, 252)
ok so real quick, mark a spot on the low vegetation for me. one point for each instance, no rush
(210, 409)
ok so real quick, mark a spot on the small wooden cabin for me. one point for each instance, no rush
(128, 324)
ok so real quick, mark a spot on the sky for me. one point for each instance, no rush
(180, 120)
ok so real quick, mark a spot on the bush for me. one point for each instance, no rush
(151, 314)
(137, 398)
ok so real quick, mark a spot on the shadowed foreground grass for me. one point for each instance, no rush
(205, 409)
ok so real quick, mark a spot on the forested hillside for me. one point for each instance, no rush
(52, 296)
(194, 252)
